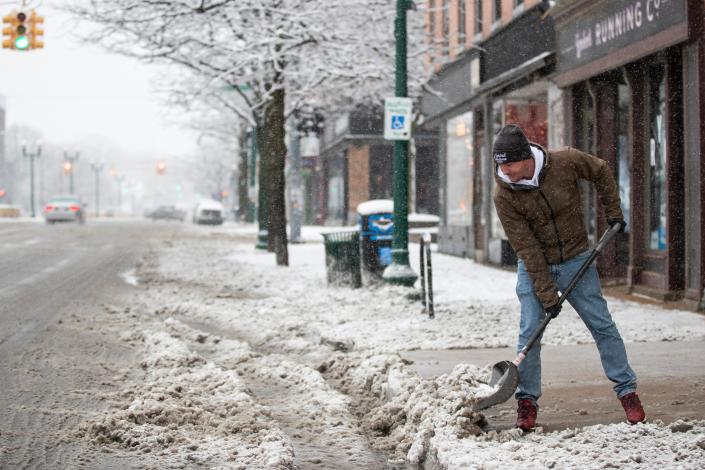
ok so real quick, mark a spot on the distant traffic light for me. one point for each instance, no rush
(161, 168)
(68, 167)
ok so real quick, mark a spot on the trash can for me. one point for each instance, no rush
(376, 220)
(343, 258)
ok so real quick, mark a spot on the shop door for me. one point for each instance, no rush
(663, 181)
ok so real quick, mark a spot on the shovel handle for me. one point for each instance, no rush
(606, 237)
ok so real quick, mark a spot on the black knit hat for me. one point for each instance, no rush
(510, 145)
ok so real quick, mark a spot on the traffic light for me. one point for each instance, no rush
(68, 167)
(36, 31)
(161, 168)
(23, 32)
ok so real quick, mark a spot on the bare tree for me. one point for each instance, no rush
(257, 58)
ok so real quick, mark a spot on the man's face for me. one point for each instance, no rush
(515, 171)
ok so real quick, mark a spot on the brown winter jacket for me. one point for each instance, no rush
(545, 225)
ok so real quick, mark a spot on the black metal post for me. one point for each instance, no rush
(97, 168)
(32, 157)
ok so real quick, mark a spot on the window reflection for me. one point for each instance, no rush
(459, 169)
(623, 171)
(657, 157)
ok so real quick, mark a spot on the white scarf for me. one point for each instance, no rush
(538, 165)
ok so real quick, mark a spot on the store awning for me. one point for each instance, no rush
(517, 73)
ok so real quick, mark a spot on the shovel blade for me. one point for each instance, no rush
(505, 378)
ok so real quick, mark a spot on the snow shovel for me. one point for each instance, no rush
(505, 374)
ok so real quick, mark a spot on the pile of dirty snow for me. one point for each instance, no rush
(401, 410)
(189, 411)
(680, 445)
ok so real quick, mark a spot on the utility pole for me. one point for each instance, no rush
(399, 272)
(32, 157)
(97, 168)
(70, 167)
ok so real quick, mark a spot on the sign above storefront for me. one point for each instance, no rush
(619, 31)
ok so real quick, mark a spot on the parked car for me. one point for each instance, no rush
(167, 213)
(65, 208)
(208, 212)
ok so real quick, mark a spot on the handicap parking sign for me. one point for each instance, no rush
(397, 118)
(397, 122)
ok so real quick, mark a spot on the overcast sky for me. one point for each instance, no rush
(70, 90)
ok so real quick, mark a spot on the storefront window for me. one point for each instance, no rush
(459, 170)
(623, 171)
(657, 157)
(335, 174)
(527, 108)
(336, 195)
(585, 141)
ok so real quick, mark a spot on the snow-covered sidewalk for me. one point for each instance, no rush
(319, 372)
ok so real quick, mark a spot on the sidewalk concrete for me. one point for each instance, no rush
(576, 393)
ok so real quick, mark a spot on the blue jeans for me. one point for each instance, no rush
(586, 298)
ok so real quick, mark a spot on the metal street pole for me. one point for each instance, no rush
(72, 161)
(32, 157)
(262, 209)
(97, 168)
(399, 272)
(119, 180)
(294, 186)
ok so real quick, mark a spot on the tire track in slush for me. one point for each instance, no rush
(323, 431)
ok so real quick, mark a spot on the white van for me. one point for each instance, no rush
(208, 212)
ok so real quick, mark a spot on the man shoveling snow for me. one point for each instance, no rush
(538, 202)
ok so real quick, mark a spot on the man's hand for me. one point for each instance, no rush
(554, 310)
(621, 222)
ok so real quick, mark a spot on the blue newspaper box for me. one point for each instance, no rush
(376, 220)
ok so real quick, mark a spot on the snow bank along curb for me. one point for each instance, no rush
(190, 411)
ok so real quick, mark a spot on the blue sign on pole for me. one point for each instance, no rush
(397, 121)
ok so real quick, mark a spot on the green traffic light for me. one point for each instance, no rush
(21, 43)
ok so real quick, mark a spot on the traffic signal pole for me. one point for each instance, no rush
(32, 157)
(97, 168)
(119, 180)
(399, 272)
(72, 162)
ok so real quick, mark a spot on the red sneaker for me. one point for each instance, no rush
(526, 414)
(632, 406)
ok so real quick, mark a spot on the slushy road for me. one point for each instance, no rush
(55, 360)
